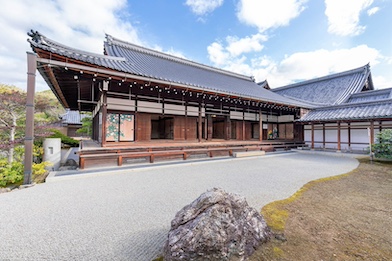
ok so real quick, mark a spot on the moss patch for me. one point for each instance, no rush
(275, 214)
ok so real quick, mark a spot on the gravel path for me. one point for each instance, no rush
(126, 216)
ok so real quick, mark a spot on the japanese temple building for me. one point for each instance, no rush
(142, 98)
(346, 112)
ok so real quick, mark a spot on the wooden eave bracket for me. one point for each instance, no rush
(53, 80)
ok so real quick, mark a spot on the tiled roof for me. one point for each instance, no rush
(351, 111)
(264, 84)
(129, 58)
(158, 65)
(72, 117)
(376, 95)
(329, 90)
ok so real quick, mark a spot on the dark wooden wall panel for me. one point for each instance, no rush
(179, 128)
(239, 130)
(289, 131)
(192, 128)
(248, 130)
(143, 126)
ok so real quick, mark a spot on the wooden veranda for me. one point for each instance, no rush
(92, 155)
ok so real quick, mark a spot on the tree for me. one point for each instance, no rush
(47, 108)
(12, 108)
(383, 147)
(13, 116)
(87, 123)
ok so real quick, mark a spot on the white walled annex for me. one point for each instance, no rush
(357, 141)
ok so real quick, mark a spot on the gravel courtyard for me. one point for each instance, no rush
(126, 215)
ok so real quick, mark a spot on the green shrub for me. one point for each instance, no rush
(40, 172)
(383, 146)
(11, 173)
(64, 138)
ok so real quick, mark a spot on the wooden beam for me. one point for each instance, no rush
(56, 86)
(323, 135)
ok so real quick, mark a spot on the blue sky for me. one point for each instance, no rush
(283, 41)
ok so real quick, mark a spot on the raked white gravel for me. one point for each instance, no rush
(125, 215)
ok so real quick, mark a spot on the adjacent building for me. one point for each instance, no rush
(346, 111)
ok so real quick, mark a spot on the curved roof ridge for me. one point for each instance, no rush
(115, 41)
(309, 103)
(371, 92)
(356, 85)
(39, 39)
(357, 104)
(365, 69)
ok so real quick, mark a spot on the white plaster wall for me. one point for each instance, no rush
(52, 152)
(174, 109)
(357, 136)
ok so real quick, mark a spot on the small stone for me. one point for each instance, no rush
(4, 190)
(280, 237)
(71, 163)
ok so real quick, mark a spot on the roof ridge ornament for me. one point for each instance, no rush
(37, 37)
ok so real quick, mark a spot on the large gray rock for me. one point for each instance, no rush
(216, 226)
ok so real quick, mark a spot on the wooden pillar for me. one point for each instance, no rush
(200, 125)
(349, 135)
(104, 111)
(323, 135)
(227, 128)
(339, 143)
(205, 125)
(136, 136)
(372, 132)
(186, 121)
(29, 131)
(312, 136)
(260, 126)
(243, 125)
(209, 127)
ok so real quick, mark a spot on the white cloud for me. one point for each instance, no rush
(307, 65)
(219, 54)
(373, 11)
(80, 24)
(300, 66)
(380, 82)
(202, 7)
(269, 14)
(343, 16)
(237, 46)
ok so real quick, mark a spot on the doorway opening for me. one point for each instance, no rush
(162, 128)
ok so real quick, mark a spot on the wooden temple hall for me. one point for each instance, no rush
(145, 101)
